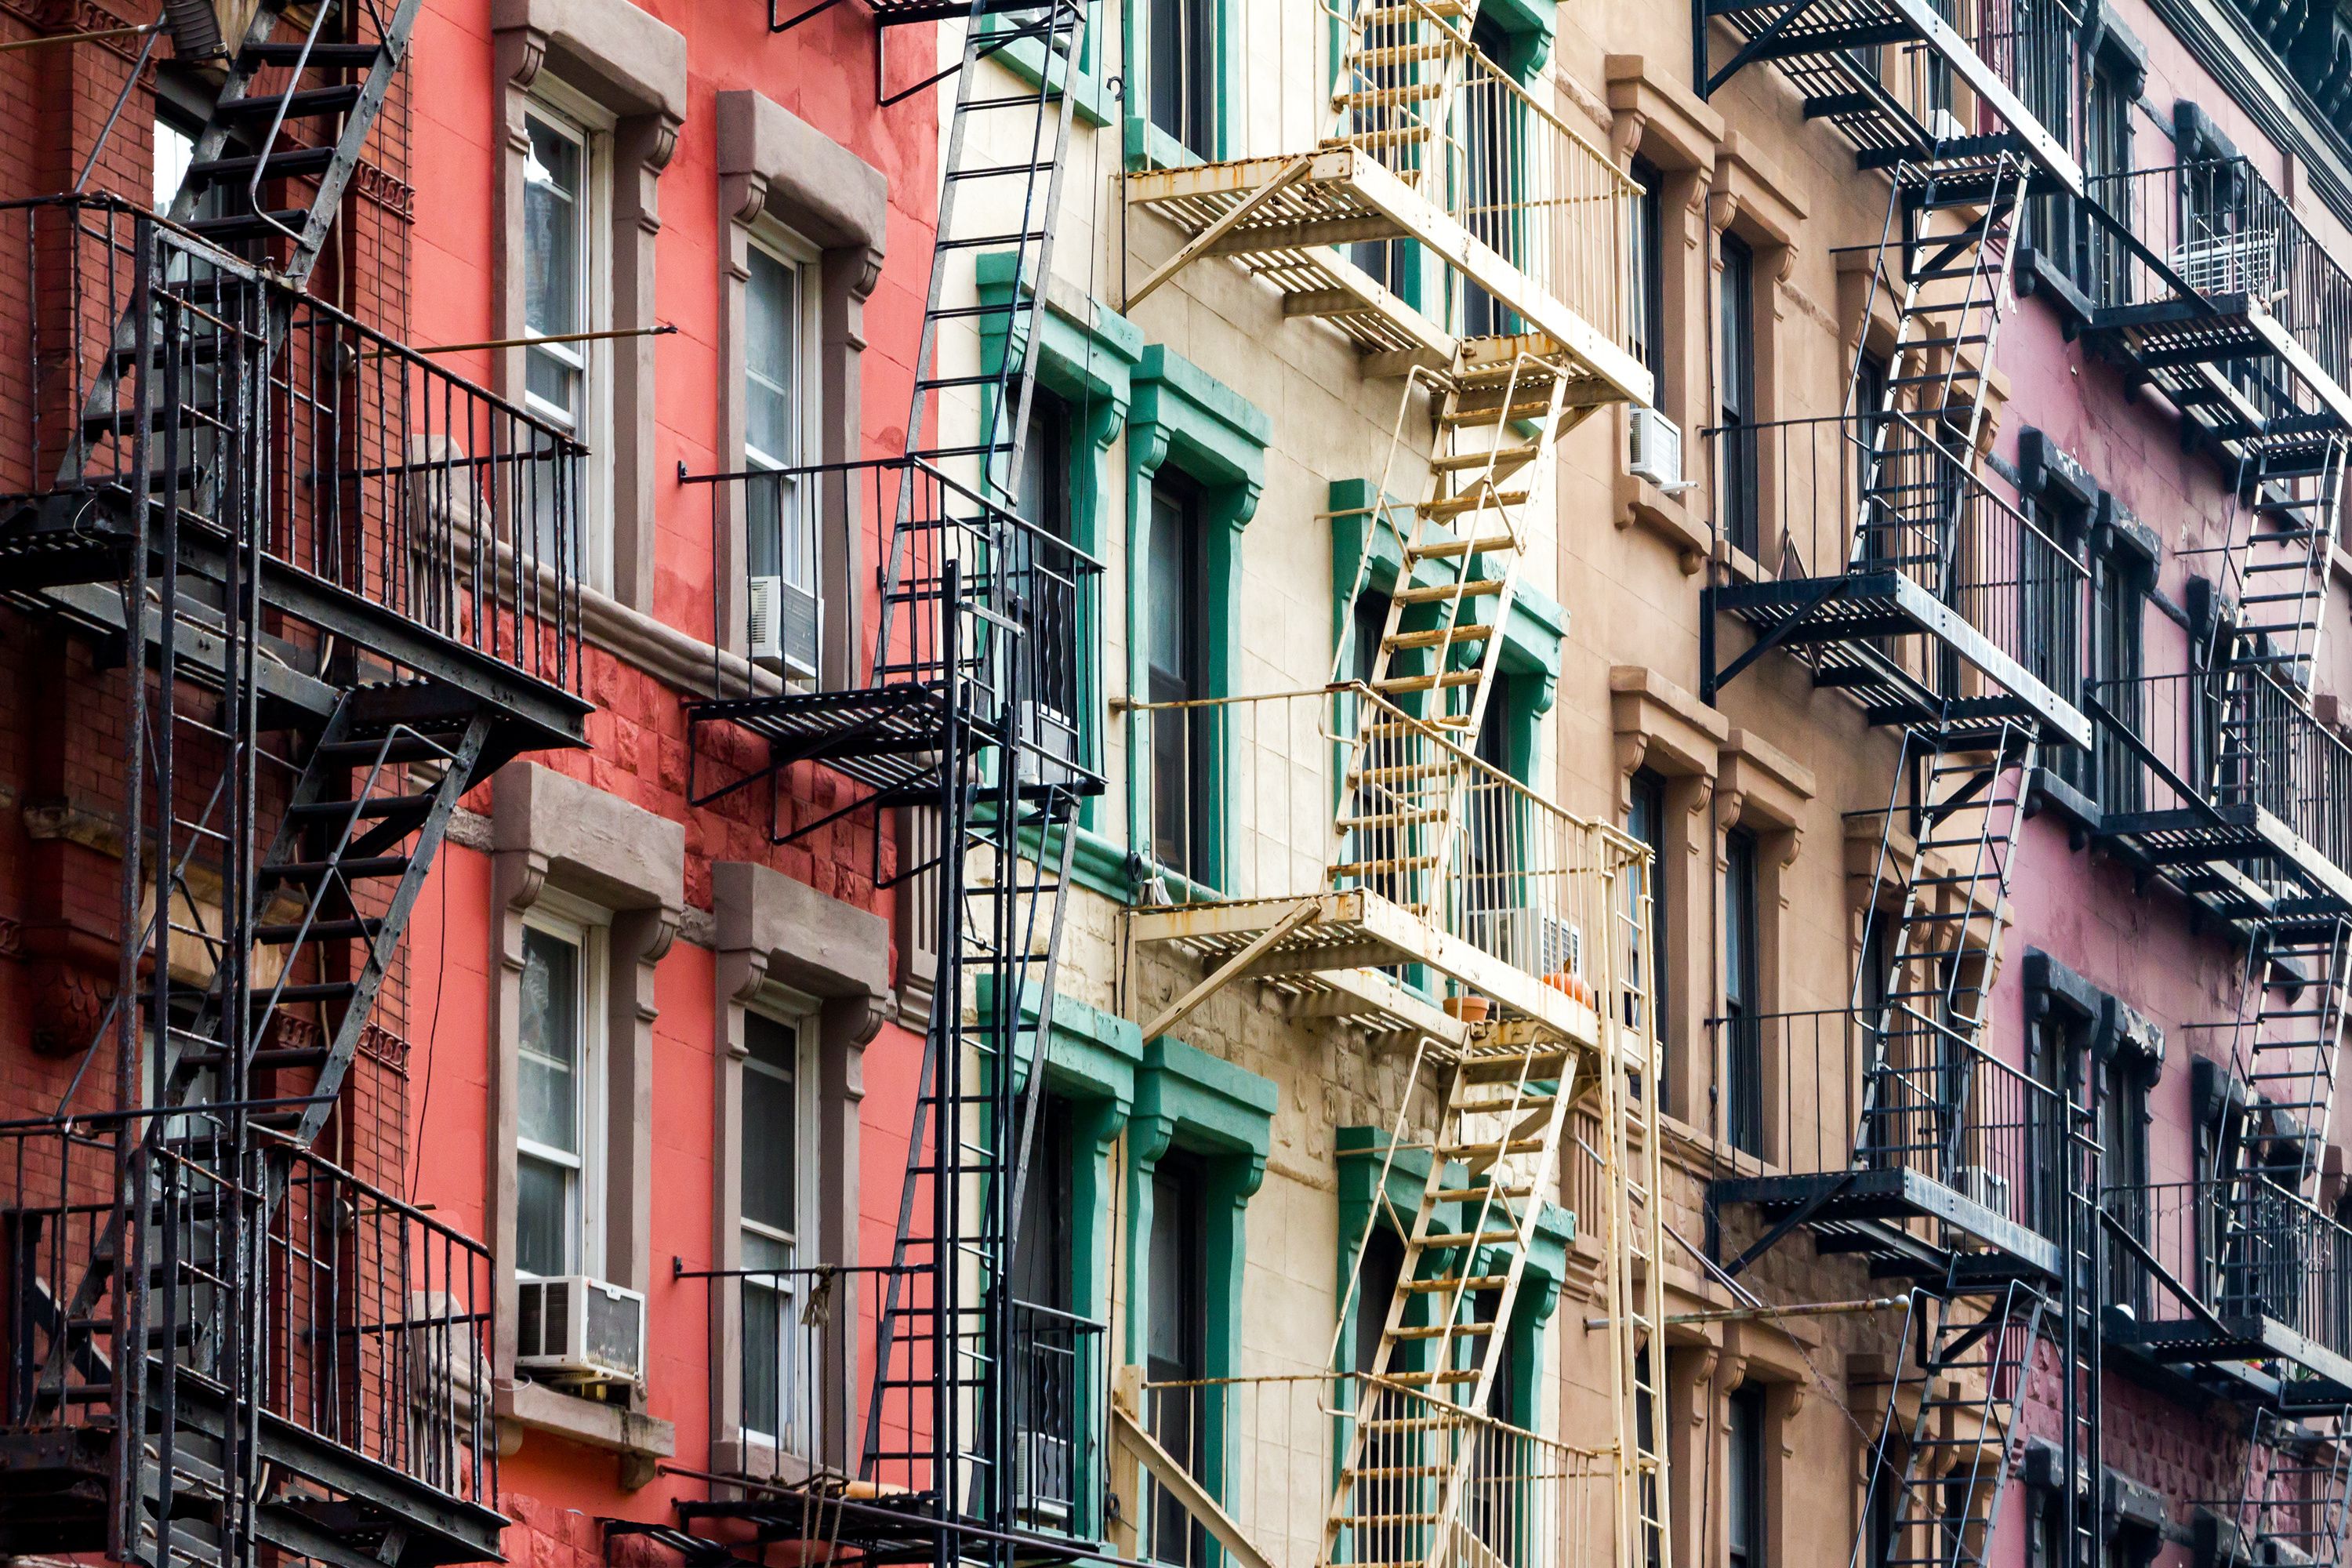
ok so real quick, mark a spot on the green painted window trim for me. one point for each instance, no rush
(1095, 99)
(1089, 365)
(1223, 1115)
(1186, 1099)
(1182, 417)
(1091, 1060)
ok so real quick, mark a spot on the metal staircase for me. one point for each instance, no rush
(1498, 416)
(1007, 144)
(1907, 622)
(1898, 599)
(1957, 290)
(976, 613)
(1973, 1367)
(1495, 1160)
(2290, 1028)
(246, 157)
(2295, 1494)
(1943, 944)
(2289, 503)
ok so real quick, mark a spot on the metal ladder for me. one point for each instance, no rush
(2287, 508)
(2300, 1502)
(941, 1420)
(1956, 293)
(273, 84)
(1635, 1274)
(2081, 1296)
(344, 872)
(1945, 950)
(1496, 1159)
(2292, 1000)
(1954, 1473)
(991, 113)
(1498, 414)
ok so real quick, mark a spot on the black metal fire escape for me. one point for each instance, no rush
(968, 723)
(1868, 545)
(320, 557)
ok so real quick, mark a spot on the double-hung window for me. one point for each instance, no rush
(1183, 72)
(1743, 1053)
(1176, 1343)
(1647, 252)
(2103, 271)
(1183, 737)
(1492, 137)
(2116, 662)
(559, 1124)
(779, 546)
(1045, 577)
(1045, 1365)
(564, 278)
(774, 1187)
(1744, 1524)
(1645, 821)
(1735, 380)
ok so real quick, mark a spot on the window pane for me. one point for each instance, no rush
(175, 150)
(771, 1133)
(1183, 72)
(550, 1053)
(552, 231)
(771, 360)
(544, 1224)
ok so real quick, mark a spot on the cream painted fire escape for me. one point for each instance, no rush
(1436, 152)
(1445, 877)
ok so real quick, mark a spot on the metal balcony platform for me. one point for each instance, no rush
(1877, 1214)
(1323, 952)
(2190, 346)
(887, 738)
(2225, 836)
(330, 1504)
(1282, 217)
(2312, 1376)
(887, 1527)
(1837, 619)
(1817, 45)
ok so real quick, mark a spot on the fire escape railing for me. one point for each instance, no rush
(2214, 252)
(2233, 1250)
(1788, 495)
(380, 1317)
(359, 462)
(1811, 1093)
(2205, 741)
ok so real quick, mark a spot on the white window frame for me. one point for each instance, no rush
(800, 1015)
(588, 929)
(800, 570)
(578, 119)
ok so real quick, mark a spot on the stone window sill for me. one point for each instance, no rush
(523, 1407)
(1641, 504)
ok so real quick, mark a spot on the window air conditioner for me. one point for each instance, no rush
(1982, 1185)
(1656, 450)
(1045, 1484)
(1943, 125)
(781, 627)
(1559, 948)
(575, 1329)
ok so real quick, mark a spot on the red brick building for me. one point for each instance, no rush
(455, 313)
